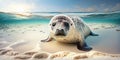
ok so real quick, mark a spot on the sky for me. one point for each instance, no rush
(60, 5)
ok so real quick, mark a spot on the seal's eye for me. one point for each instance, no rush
(53, 24)
(66, 24)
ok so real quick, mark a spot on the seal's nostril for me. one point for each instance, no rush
(57, 29)
(62, 30)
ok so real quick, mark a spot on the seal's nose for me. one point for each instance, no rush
(60, 32)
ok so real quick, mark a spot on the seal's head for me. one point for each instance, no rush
(60, 25)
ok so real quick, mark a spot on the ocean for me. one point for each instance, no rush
(40, 18)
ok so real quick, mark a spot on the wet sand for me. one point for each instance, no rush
(106, 43)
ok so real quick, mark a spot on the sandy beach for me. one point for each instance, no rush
(105, 46)
(59, 29)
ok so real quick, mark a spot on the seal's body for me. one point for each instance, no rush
(69, 30)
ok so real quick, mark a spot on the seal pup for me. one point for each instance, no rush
(69, 30)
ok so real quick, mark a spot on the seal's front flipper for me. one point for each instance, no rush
(93, 34)
(47, 40)
(83, 46)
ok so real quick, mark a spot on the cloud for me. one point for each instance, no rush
(106, 10)
(116, 7)
(103, 7)
(10, 6)
(99, 8)
(78, 8)
(87, 9)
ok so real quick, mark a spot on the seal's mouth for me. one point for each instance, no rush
(60, 33)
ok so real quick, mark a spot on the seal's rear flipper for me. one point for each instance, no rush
(83, 46)
(93, 34)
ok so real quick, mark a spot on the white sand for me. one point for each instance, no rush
(26, 38)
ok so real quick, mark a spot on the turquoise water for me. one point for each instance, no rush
(113, 18)
(6, 18)
(44, 18)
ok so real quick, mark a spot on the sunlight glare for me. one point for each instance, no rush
(20, 8)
